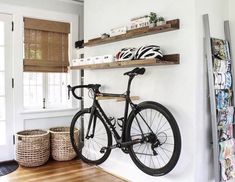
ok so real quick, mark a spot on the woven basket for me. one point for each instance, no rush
(32, 147)
(61, 147)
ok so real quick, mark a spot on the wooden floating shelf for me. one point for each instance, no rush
(118, 99)
(166, 60)
(169, 26)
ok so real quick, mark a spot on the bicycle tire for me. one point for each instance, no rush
(173, 159)
(76, 122)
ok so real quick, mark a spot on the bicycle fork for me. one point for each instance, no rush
(87, 135)
(92, 123)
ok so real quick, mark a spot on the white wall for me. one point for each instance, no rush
(50, 11)
(172, 86)
(181, 88)
(218, 13)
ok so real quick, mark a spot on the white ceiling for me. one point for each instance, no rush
(73, 1)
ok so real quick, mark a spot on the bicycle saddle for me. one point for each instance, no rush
(136, 71)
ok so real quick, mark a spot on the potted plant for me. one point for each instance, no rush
(161, 21)
(152, 19)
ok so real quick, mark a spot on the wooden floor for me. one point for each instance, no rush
(61, 172)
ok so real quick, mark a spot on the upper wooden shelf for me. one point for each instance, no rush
(169, 26)
(166, 60)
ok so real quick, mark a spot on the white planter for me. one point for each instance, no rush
(151, 25)
(159, 23)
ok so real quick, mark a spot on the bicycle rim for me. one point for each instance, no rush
(159, 155)
(91, 150)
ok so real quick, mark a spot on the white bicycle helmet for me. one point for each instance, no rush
(148, 52)
(125, 54)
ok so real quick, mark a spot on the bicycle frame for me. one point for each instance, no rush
(97, 108)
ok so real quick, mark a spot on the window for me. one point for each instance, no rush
(33, 90)
(45, 90)
(46, 62)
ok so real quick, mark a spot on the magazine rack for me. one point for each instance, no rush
(221, 102)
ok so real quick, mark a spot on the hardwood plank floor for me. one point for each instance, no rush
(71, 171)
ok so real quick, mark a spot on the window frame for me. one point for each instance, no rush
(45, 95)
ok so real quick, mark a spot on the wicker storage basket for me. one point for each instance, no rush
(32, 147)
(61, 147)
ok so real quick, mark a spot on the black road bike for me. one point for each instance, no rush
(150, 134)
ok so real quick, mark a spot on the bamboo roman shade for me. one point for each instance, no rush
(46, 46)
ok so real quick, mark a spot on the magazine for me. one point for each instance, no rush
(226, 117)
(225, 133)
(226, 149)
(228, 168)
(223, 80)
(220, 49)
(222, 66)
(223, 99)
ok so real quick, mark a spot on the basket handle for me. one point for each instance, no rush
(19, 138)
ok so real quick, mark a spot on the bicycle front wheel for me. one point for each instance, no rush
(160, 148)
(92, 141)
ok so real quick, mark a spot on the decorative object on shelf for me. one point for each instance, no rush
(108, 58)
(93, 60)
(32, 147)
(105, 35)
(152, 19)
(161, 21)
(118, 31)
(126, 54)
(170, 25)
(166, 60)
(61, 147)
(97, 59)
(139, 22)
(89, 60)
(78, 62)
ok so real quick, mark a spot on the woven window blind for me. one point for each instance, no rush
(46, 46)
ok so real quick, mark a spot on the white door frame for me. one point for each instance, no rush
(7, 150)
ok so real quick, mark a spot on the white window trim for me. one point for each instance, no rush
(52, 113)
(36, 111)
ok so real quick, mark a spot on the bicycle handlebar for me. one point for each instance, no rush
(95, 87)
(72, 89)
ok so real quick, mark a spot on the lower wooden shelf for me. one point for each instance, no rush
(166, 60)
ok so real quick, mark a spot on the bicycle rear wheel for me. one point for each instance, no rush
(160, 148)
(91, 151)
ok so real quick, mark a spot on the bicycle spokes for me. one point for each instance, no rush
(157, 148)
